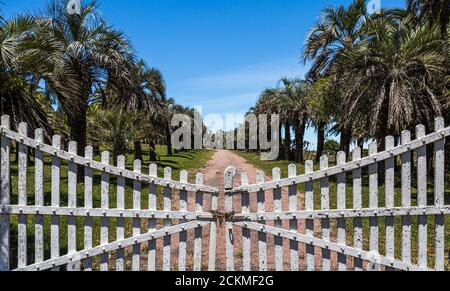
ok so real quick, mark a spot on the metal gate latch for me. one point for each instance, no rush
(222, 217)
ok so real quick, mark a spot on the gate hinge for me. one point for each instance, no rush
(222, 217)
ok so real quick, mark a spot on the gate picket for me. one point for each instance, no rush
(22, 185)
(422, 193)
(325, 205)
(120, 257)
(56, 172)
(5, 193)
(293, 224)
(389, 195)
(341, 205)
(137, 186)
(262, 236)
(88, 204)
(72, 203)
(406, 199)
(276, 176)
(246, 239)
(373, 203)
(104, 221)
(183, 234)
(39, 200)
(199, 230)
(167, 222)
(309, 206)
(357, 204)
(152, 202)
(439, 201)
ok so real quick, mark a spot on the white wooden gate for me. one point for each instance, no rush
(163, 224)
(166, 223)
(352, 233)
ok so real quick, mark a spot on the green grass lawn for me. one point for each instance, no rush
(267, 166)
(191, 161)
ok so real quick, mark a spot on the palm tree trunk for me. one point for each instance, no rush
(346, 139)
(78, 128)
(300, 141)
(320, 140)
(169, 141)
(138, 150)
(287, 143)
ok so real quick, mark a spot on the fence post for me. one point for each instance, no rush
(439, 189)
(373, 203)
(293, 223)
(276, 176)
(342, 205)
(23, 194)
(262, 236)
(230, 173)
(357, 205)
(104, 221)
(325, 205)
(199, 230)
(246, 242)
(406, 199)
(72, 202)
(120, 260)
(183, 234)
(5, 193)
(422, 193)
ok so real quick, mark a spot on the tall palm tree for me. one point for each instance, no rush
(431, 11)
(93, 53)
(392, 81)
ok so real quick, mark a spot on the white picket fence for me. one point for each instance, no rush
(181, 223)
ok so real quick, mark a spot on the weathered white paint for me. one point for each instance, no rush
(5, 195)
(309, 205)
(293, 223)
(262, 237)
(56, 172)
(104, 221)
(406, 199)
(325, 204)
(120, 258)
(167, 222)
(88, 203)
(183, 234)
(39, 199)
(373, 203)
(72, 202)
(276, 176)
(230, 173)
(137, 187)
(439, 199)
(23, 195)
(422, 193)
(341, 205)
(199, 230)
(246, 242)
(389, 195)
(152, 202)
(357, 204)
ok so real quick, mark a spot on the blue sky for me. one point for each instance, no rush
(218, 54)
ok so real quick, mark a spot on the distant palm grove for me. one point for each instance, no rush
(371, 75)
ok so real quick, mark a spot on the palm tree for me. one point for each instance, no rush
(338, 31)
(293, 95)
(93, 55)
(24, 57)
(392, 81)
(431, 12)
(148, 93)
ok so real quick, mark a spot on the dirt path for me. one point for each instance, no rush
(214, 176)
